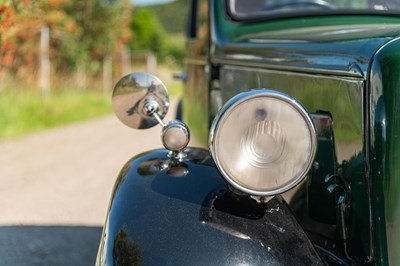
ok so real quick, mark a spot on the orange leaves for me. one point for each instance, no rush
(56, 3)
(6, 15)
(70, 26)
(20, 23)
(79, 31)
(54, 17)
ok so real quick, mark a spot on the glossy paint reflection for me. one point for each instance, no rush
(385, 152)
(176, 213)
(272, 224)
(315, 93)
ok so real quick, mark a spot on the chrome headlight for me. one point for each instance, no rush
(263, 142)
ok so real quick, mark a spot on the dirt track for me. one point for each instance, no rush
(55, 187)
(65, 176)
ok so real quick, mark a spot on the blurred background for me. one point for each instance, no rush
(60, 146)
(65, 52)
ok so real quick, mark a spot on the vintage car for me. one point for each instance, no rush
(297, 101)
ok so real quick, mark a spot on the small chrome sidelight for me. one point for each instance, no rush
(140, 101)
(263, 142)
(175, 136)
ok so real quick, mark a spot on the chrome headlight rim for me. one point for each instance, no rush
(257, 93)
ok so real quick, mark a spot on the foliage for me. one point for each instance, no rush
(176, 47)
(172, 15)
(149, 35)
(104, 26)
(79, 31)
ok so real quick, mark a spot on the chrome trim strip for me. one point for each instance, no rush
(242, 63)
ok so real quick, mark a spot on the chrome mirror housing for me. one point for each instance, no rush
(137, 97)
(140, 101)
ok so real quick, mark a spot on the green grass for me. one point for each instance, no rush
(175, 89)
(23, 110)
(22, 113)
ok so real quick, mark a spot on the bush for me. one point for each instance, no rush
(149, 35)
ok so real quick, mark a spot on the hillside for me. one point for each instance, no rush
(171, 15)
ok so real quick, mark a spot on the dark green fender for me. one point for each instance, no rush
(384, 152)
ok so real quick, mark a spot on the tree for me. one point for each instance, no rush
(80, 31)
(105, 25)
(21, 22)
(148, 33)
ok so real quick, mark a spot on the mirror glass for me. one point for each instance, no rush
(131, 94)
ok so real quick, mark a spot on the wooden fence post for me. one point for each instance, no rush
(44, 61)
(107, 74)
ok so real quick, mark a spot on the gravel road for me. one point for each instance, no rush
(55, 187)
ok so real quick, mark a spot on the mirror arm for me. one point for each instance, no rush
(151, 108)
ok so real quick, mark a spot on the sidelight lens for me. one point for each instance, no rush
(263, 142)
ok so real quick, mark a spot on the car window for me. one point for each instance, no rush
(248, 9)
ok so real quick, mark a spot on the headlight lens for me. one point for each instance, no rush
(263, 142)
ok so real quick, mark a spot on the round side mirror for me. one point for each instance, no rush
(134, 96)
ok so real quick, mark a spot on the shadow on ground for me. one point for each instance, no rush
(49, 245)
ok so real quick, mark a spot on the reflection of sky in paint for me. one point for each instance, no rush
(148, 2)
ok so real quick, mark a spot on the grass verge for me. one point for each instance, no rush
(22, 113)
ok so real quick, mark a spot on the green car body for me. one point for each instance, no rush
(346, 65)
